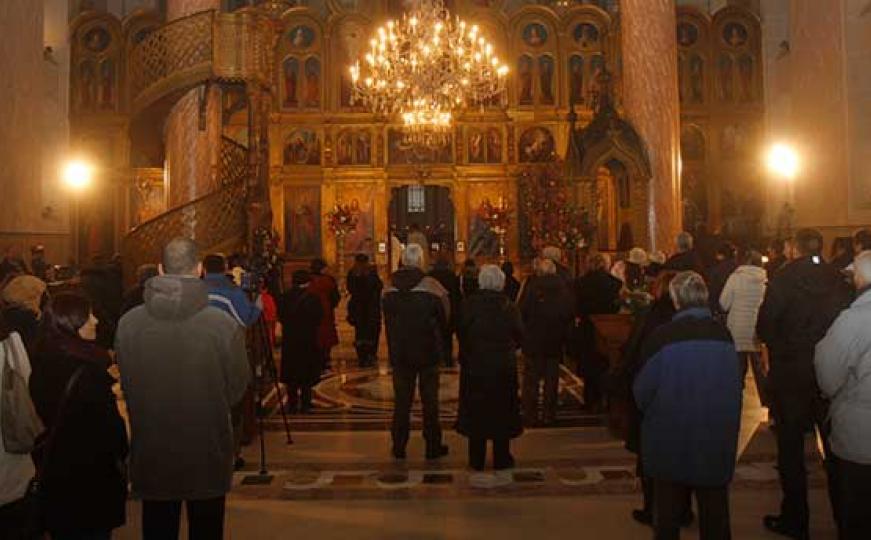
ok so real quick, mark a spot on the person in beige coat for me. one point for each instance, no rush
(741, 299)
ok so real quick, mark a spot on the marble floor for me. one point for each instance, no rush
(575, 481)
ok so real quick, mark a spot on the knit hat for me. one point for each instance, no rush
(26, 292)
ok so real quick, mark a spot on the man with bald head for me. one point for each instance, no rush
(183, 367)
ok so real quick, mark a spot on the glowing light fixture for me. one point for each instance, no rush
(783, 161)
(78, 174)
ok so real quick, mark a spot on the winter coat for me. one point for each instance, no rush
(16, 470)
(300, 313)
(183, 367)
(327, 290)
(660, 313)
(716, 277)
(686, 261)
(446, 277)
(415, 320)
(547, 313)
(88, 448)
(801, 302)
(490, 333)
(364, 307)
(597, 293)
(229, 297)
(843, 368)
(741, 299)
(689, 391)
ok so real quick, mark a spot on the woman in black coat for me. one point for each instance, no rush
(364, 309)
(300, 314)
(83, 485)
(490, 334)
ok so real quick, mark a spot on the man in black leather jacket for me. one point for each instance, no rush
(802, 300)
(416, 315)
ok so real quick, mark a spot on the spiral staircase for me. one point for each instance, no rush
(205, 48)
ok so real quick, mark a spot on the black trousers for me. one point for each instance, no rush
(794, 413)
(854, 498)
(536, 368)
(426, 379)
(478, 453)
(670, 505)
(161, 519)
(366, 344)
(753, 360)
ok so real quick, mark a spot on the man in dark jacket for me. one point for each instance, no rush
(183, 367)
(300, 313)
(364, 309)
(547, 312)
(226, 295)
(802, 301)
(442, 271)
(416, 321)
(689, 391)
(596, 293)
(686, 258)
(727, 262)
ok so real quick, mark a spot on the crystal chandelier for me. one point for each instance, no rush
(425, 67)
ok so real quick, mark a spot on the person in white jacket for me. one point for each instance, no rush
(843, 368)
(16, 470)
(741, 299)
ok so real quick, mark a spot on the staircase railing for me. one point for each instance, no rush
(195, 49)
(214, 221)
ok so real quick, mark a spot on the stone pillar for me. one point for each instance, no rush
(650, 99)
(193, 129)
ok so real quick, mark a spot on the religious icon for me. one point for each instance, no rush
(586, 35)
(345, 148)
(291, 81)
(735, 34)
(302, 221)
(312, 82)
(726, 87)
(697, 79)
(687, 34)
(576, 78)
(302, 37)
(88, 86)
(535, 34)
(359, 240)
(476, 146)
(525, 80)
(483, 241)
(745, 78)
(545, 73)
(97, 40)
(692, 144)
(107, 84)
(363, 148)
(494, 145)
(302, 148)
(536, 144)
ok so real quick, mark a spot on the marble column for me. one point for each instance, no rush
(193, 129)
(650, 99)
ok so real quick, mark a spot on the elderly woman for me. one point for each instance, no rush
(490, 333)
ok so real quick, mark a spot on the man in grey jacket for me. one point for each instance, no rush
(843, 366)
(183, 367)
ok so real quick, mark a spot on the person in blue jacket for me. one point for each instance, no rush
(226, 295)
(689, 392)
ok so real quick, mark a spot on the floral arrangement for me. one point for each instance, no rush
(550, 217)
(497, 218)
(341, 220)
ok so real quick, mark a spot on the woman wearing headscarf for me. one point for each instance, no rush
(490, 333)
(83, 485)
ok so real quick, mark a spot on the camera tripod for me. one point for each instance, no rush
(265, 374)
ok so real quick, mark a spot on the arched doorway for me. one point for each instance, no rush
(428, 207)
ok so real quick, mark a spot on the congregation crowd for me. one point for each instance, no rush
(177, 344)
